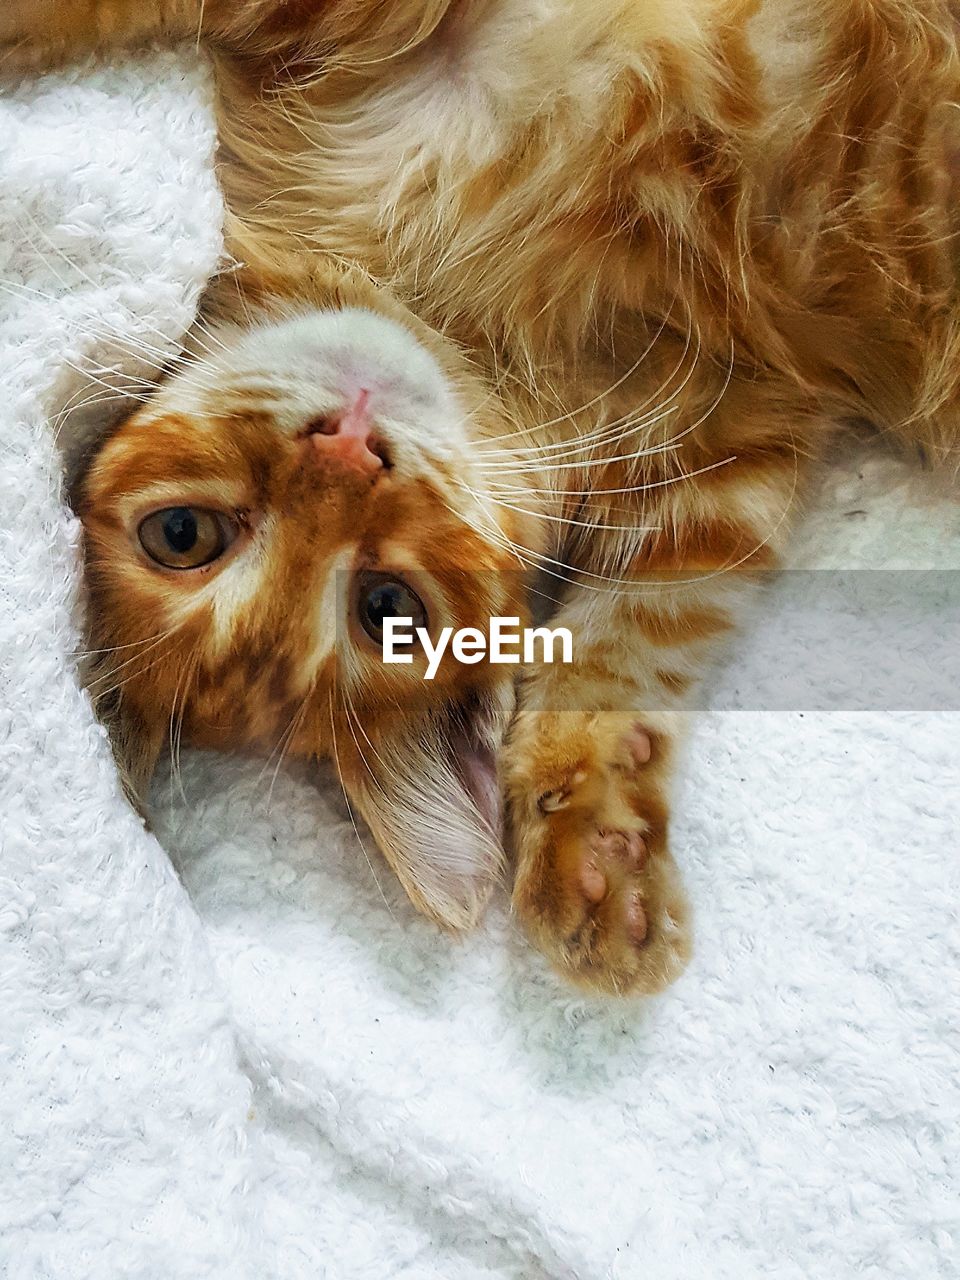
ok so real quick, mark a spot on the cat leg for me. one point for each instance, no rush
(43, 33)
(587, 770)
(38, 34)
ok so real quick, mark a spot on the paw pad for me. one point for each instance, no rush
(596, 885)
(608, 853)
(625, 847)
(593, 882)
(635, 919)
(639, 745)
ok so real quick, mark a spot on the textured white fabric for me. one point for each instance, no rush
(272, 1067)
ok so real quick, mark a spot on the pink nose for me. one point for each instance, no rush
(349, 437)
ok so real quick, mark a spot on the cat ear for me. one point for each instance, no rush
(431, 796)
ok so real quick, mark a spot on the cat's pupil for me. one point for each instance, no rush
(180, 530)
(382, 598)
(389, 600)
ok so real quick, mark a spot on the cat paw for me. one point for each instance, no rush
(596, 886)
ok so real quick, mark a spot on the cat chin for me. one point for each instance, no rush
(315, 361)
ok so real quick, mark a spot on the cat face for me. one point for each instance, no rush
(248, 531)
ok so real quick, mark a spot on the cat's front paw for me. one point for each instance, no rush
(596, 886)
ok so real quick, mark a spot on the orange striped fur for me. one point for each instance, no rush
(657, 250)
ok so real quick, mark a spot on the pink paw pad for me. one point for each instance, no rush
(636, 919)
(639, 745)
(626, 847)
(593, 883)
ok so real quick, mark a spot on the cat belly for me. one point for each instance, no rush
(430, 172)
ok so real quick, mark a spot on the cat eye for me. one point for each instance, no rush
(380, 596)
(185, 537)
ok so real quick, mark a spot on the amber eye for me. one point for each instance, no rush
(379, 596)
(185, 537)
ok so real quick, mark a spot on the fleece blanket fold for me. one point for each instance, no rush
(228, 1046)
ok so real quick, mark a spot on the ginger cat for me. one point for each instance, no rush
(576, 286)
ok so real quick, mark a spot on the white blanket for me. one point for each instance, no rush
(265, 1065)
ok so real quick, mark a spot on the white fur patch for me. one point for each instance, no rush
(318, 362)
(331, 611)
(237, 585)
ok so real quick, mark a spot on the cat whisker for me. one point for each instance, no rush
(353, 723)
(634, 419)
(73, 266)
(165, 357)
(175, 734)
(192, 336)
(169, 634)
(116, 648)
(100, 696)
(113, 378)
(583, 524)
(59, 424)
(525, 557)
(200, 322)
(86, 373)
(600, 434)
(643, 487)
(600, 396)
(664, 447)
(540, 561)
(285, 742)
(137, 346)
(84, 273)
(560, 462)
(84, 397)
(356, 829)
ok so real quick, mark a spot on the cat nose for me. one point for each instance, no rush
(349, 436)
